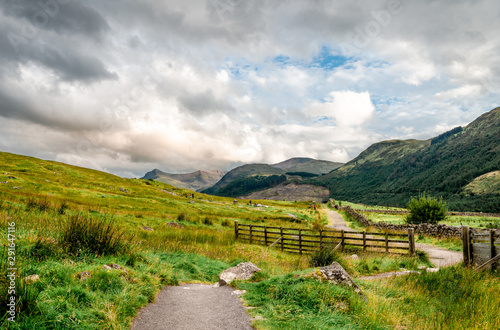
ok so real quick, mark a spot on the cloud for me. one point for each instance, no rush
(127, 86)
(348, 108)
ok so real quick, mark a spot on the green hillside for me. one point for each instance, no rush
(239, 174)
(390, 172)
(249, 178)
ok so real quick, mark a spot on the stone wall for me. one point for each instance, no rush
(428, 229)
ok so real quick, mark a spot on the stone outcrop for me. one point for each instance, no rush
(337, 275)
(242, 271)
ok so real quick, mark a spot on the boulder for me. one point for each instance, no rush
(336, 274)
(242, 271)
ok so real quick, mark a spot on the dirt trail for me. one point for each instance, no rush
(440, 257)
(192, 307)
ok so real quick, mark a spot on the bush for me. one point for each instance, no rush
(426, 209)
(323, 257)
(92, 235)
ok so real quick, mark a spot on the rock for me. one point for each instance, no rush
(354, 257)
(17, 187)
(11, 177)
(83, 275)
(242, 271)
(4, 182)
(175, 224)
(124, 190)
(336, 274)
(293, 216)
(146, 228)
(191, 202)
(432, 270)
(31, 278)
(106, 267)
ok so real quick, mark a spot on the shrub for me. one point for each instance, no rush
(426, 209)
(92, 235)
(62, 209)
(323, 257)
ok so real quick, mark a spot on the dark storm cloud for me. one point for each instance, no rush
(62, 17)
(203, 103)
(14, 106)
(72, 66)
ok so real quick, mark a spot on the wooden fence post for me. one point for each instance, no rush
(364, 240)
(282, 238)
(466, 245)
(236, 229)
(386, 241)
(265, 235)
(342, 242)
(411, 241)
(251, 234)
(492, 246)
(300, 241)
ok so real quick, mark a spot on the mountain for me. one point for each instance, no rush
(249, 178)
(308, 165)
(390, 172)
(196, 181)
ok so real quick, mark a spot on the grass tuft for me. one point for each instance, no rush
(85, 234)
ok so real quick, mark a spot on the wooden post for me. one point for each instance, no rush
(386, 241)
(251, 234)
(300, 241)
(342, 241)
(265, 235)
(364, 240)
(492, 246)
(411, 241)
(282, 238)
(321, 239)
(466, 245)
(236, 229)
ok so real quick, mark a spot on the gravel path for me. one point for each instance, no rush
(193, 307)
(337, 222)
(440, 257)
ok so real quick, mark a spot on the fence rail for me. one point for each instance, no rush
(302, 241)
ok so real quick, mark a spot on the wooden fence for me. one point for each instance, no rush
(480, 247)
(302, 241)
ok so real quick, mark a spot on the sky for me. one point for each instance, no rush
(126, 86)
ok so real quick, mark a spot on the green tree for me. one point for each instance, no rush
(426, 209)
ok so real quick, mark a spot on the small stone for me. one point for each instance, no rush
(174, 224)
(239, 292)
(432, 270)
(354, 257)
(83, 275)
(106, 267)
(146, 228)
(31, 278)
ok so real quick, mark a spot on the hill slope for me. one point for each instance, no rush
(390, 172)
(196, 181)
(249, 178)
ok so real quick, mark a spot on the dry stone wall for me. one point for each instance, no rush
(428, 229)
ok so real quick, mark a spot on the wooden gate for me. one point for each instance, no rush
(480, 247)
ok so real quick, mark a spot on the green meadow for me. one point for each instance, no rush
(67, 222)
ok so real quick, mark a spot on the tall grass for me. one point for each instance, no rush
(93, 235)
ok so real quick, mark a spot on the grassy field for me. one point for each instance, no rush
(70, 222)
